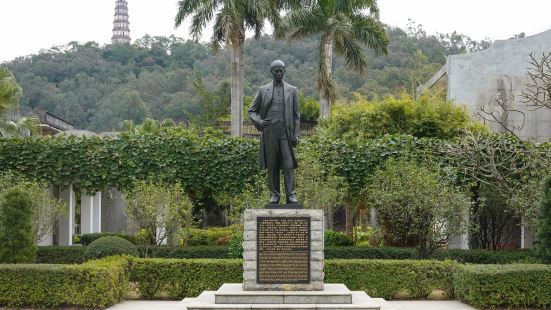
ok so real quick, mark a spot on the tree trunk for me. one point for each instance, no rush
(236, 89)
(363, 217)
(349, 214)
(326, 63)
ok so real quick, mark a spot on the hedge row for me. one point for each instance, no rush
(86, 239)
(177, 279)
(511, 286)
(96, 284)
(75, 254)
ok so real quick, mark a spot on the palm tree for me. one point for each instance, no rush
(344, 25)
(10, 92)
(231, 19)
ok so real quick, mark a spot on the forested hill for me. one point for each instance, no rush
(96, 87)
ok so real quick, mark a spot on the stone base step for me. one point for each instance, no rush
(360, 301)
(233, 293)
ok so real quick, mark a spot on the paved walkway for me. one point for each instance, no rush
(398, 305)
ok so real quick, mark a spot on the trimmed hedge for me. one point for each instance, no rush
(389, 278)
(178, 278)
(512, 286)
(60, 254)
(86, 239)
(166, 251)
(110, 246)
(96, 284)
(354, 252)
(75, 254)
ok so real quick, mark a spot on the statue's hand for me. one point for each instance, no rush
(263, 123)
(294, 141)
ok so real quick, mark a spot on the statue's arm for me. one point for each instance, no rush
(296, 114)
(255, 108)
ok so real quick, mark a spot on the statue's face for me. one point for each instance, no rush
(278, 73)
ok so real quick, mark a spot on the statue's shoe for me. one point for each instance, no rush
(274, 199)
(292, 199)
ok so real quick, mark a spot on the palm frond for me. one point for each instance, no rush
(372, 33)
(202, 15)
(10, 92)
(302, 21)
(352, 51)
(186, 8)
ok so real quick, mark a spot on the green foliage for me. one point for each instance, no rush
(209, 236)
(110, 246)
(235, 248)
(416, 206)
(511, 286)
(479, 256)
(45, 208)
(428, 116)
(176, 279)
(96, 284)
(201, 164)
(544, 227)
(336, 238)
(309, 108)
(167, 251)
(355, 252)
(10, 91)
(388, 278)
(17, 244)
(161, 210)
(86, 239)
(60, 254)
(367, 236)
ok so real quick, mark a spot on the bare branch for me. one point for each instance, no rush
(498, 110)
(537, 91)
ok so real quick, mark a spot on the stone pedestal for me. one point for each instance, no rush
(283, 268)
(265, 268)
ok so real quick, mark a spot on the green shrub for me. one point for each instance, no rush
(512, 286)
(17, 244)
(353, 252)
(179, 278)
(96, 284)
(210, 236)
(109, 246)
(86, 239)
(165, 251)
(387, 278)
(486, 256)
(60, 254)
(336, 238)
(235, 248)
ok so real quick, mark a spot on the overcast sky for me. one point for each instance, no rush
(27, 26)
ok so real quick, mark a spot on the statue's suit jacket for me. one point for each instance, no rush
(259, 109)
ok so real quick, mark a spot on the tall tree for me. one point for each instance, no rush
(344, 25)
(231, 19)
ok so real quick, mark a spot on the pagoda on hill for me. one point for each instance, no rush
(121, 29)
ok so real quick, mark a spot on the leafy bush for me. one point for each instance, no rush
(185, 278)
(544, 224)
(17, 243)
(416, 206)
(427, 116)
(165, 251)
(354, 252)
(110, 246)
(235, 249)
(387, 278)
(486, 256)
(60, 254)
(512, 286)
(178, 278)
(95, 284)
(209, 236)
(86, 239)
(336, 238)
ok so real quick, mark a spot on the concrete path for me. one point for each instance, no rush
(398, 305)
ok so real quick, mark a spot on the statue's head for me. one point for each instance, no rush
(277, 68)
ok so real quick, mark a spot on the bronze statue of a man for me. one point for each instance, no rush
(275, 113)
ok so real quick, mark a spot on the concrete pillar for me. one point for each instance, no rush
(160, 232)
(66, 218)
(46, 240)
(372, 217)
(86, 213)
(97, 213)
(526, 237)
